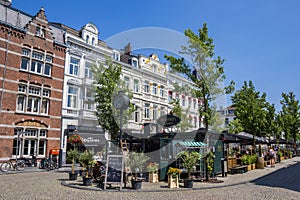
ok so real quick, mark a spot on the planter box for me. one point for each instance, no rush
(281, 158)
(173, 182)
(153, 178)
(253, 166)
(249, 167)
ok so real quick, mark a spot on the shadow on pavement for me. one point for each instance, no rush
(288, 178)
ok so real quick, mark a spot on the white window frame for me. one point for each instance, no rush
(147, 111)
(146, 87)
(74, 66)
(72, 99)
(136, 85)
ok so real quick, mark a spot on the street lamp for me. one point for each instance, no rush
(121, 102)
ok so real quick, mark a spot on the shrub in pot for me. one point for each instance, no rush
(87, 161)
(189, 161)
(136, 162)
(72, 156)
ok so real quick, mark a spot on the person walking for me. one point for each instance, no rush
(272, 157)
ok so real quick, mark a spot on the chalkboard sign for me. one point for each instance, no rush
(114, 170)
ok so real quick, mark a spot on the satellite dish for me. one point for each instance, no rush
(5, 2)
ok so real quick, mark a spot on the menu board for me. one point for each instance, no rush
(114, 170)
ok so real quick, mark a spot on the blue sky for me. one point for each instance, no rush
(259, 40)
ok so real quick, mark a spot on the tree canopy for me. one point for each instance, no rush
(206, 71)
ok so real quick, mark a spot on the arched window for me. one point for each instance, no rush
(87, 39)
(93, 41)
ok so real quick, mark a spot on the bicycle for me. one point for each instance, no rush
(7, 165)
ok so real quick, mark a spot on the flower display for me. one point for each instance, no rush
(152, 167)
(74, 139)
(174, 172)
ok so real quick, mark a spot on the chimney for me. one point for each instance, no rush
(128, 49)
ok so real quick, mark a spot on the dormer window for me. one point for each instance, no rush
(134, 62)
(87, 39)
(39, 32)
(116, 56)
(154, 68)
(93, 41)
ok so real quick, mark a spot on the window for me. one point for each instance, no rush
(37, 63)
(93, 41)
(154, 114)
(183, 100)
(147, 111)
(116, 56)
(87, 39)
(146, 87)
(24, 63)
(32, 142)
(162, 91)
(136, 114)
(154, 89)
(74, 66)
(134, 62)
(170, 97)
(195, 103)
(127, 81)
(72, 97)
(89, 99)
(154, 68)
(33, 100)
(39, 32)
(190, 102)
(136, 85)
(88, 70)
(226, 121)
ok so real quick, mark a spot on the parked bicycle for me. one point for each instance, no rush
(48, 163)
(8, 165)
(30, 161)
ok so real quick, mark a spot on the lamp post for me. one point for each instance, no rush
(121, 102)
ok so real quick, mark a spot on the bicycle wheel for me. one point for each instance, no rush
(20, 165)
(5, 167)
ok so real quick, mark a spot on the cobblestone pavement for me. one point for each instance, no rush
(281, 182)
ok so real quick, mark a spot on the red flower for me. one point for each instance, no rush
(74, 139)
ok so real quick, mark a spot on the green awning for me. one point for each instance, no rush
(192, 144)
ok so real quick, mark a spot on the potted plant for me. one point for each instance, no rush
(249, 162)
(87, 161)
(253, 161)
(173, 177)
(152, 168)
(209, 161)
(280, 155)
(72, 156)
(189, 161)
(136, 162)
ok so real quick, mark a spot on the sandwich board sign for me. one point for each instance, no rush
(114, 170)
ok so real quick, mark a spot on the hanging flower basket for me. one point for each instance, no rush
(74, 139)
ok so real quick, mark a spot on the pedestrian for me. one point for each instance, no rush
(272, 157)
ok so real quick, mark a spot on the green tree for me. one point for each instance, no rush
(271, 127)
(182, 114)
(290, 116)
(107, 82)
(216, 121)
(235, 126)
(250, 109)
(206, 71)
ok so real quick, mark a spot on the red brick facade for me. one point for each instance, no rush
(13, 41)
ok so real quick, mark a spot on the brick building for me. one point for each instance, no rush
(32, 59)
